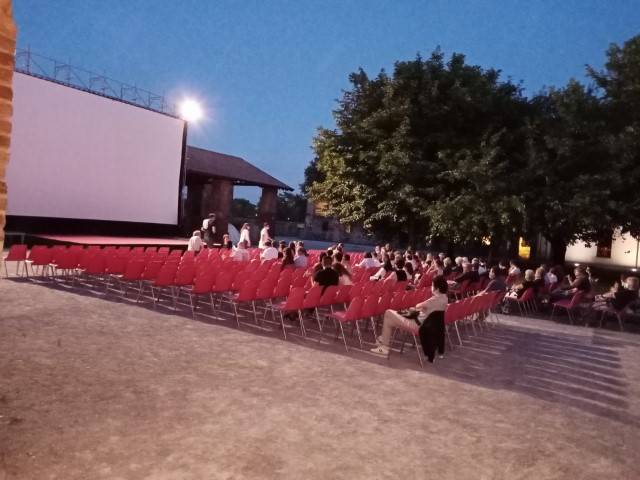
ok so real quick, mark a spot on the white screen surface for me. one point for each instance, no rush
(82, 156)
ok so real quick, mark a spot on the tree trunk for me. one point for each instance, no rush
(558, 250)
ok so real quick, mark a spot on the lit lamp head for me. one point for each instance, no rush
(190, 110)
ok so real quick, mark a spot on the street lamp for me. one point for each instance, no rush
(190, 110)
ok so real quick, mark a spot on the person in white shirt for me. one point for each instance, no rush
(393, 319)
(195, 242)
(269, 252)
(264, 236)
(244, 234)
(241, 254)
(209, 229)
(369, 262)
(301, 260)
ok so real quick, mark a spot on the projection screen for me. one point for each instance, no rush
(78, 155)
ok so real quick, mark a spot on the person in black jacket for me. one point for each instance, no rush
(327, 276)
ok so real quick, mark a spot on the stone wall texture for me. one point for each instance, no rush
(7, 63)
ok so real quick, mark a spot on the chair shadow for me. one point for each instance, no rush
(577, 371)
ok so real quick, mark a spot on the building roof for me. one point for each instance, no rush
(220, 165)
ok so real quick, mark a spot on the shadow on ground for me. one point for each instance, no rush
(568, 365)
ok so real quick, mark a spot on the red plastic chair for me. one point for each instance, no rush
(247, 294)
(163, 281)
(353, 313)
(18, 254)
(132, 274)
(569, 304)
(202, 285)
(292, 305)
(39, 256)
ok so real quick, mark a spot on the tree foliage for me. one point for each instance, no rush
(441, 147)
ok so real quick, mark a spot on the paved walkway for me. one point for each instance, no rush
(99, 389)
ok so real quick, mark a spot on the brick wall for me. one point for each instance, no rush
(7, 61)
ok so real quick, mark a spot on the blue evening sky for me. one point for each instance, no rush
(268, 72)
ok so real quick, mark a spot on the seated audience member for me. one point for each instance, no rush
(442, 256)
(326, 276)
(281, 246)
(293, 246)
(195, 242)
(549, 277)
(504, 268)
(318, 266)
(514, 270)
(241, 254)
(301, 259)
(369, 262)
(226, 242)
(620, 296)
(346, 259)
(343, 271)
(448, 267)
(436, 303)
(385, 268)
(457, 267)
(287, 259)
(538, 281)
(408, 269)
(528, 282)
(269, 252)
(437, 267)
(467, 274)
(398, 273)
(496, 281)
(627, 294)
(580, 282)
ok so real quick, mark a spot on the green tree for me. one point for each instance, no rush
(382, 163)
(243, 208)
(292, 207)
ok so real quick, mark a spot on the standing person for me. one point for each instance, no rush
(209, 229)
(195, 242)
(264, 235)
(244, 234)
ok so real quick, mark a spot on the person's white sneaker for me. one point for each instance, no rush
(380, 350)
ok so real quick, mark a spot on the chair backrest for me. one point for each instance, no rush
(312, 298)
(203, 283)
(96, 264)
(328, 297)
(138, 249)
(223, 282)
(354, 310)
(115, 264)
(17, 253)
(247, 292)
(151, 270)
(175, 253)
(344, 293)
(266, 289)
(576, 299)
(151, 249)
(166, 275)
(283, 286)
(370, 306)
(295, 300)
(384, 303)
(133, 270)
(357, 290)
(185, 274)
(527, 295)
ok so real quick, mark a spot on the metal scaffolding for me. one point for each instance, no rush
(66, 74)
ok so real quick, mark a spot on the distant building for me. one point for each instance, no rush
(621, 252)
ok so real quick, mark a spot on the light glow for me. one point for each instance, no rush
(190, 110)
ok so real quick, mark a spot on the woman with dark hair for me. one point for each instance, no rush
(288, 260)
(345, 274)
(430, 319)
(293, 246)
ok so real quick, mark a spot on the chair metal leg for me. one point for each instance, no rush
(359, 334)
(284, 330)
(344, 338)
(458, 332)
(415, 342)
